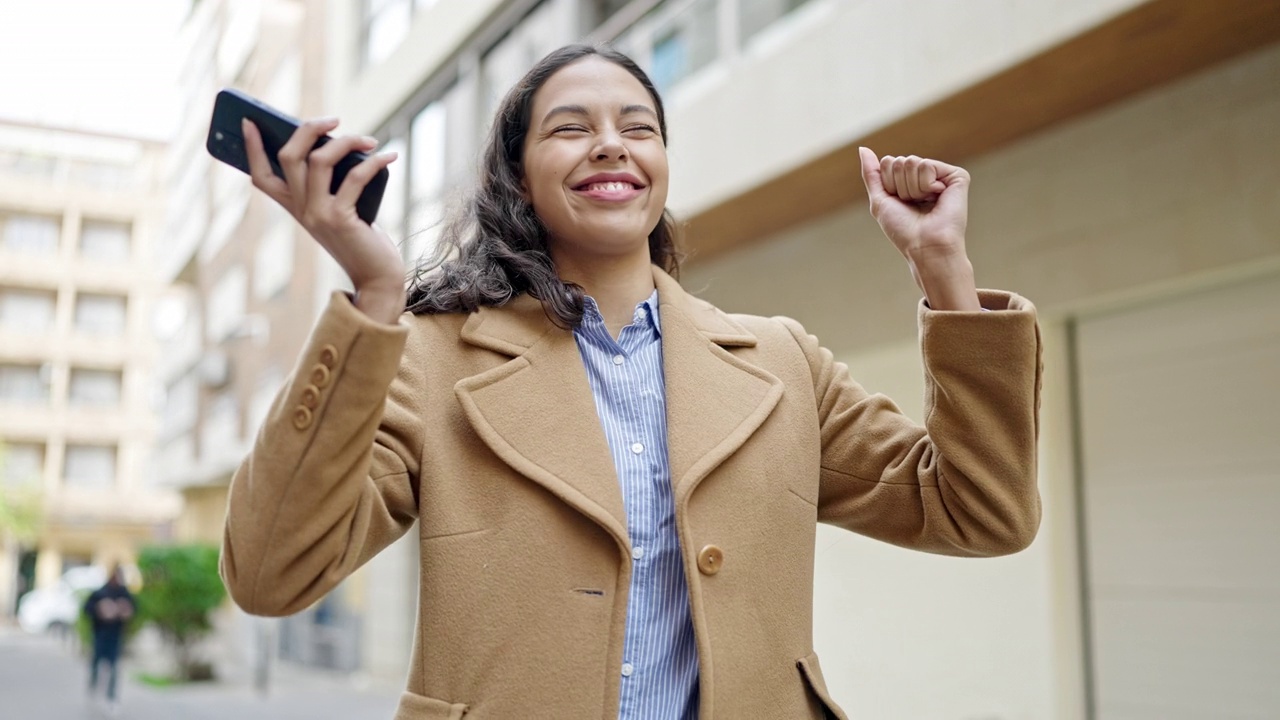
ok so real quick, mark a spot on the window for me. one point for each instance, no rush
(30, 234)
(273, 260)
(685, 43)
(756, 15)
(226, 305)
(27, 312)
(95, 387)
(23, 385)
(386, 24)
(90, 466)
(221, 428)
(181, 404)
(100, 315)
(539, 33)
(105, 241)
(21, 464)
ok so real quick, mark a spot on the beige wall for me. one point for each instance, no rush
(1167, 192)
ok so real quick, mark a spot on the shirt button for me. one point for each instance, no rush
(627, 669)
(637, 448)
(637, 553)
(618, 359)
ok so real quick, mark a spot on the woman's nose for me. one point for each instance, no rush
(611, 147)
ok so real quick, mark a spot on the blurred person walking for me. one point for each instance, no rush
(109, 609)
(617, 485)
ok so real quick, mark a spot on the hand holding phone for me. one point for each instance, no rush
(226, 143)
(325, 183)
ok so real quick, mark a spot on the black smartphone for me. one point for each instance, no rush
(226, 143)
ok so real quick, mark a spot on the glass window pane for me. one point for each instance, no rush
(105, 241)
(27, 312)
(685, 44)
(100, 315)
(756, 15)
(95, 387)
(226, 307)
(21, 464)
(30, 234)
(388, 24)
(23, 385)
(90, 466)
(427, 159)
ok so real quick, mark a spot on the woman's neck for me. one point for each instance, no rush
(617, 284)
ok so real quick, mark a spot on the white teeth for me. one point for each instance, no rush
(609, 186)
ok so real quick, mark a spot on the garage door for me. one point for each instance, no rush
(1180, 418)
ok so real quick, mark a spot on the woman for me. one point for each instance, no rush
(616, 484)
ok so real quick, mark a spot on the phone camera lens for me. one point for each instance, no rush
(217, 135)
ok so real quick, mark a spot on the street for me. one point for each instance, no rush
(42, 679)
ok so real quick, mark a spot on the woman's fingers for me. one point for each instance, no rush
(293, 156)
(320, 165)
(260, 167)
(359, 176)
(914, 179)
(886, 175)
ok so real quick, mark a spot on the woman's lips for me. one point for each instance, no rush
(609, 191)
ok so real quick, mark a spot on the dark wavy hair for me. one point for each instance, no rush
(495, 247)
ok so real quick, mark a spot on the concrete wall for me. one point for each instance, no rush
(1165, 193)
(838, 69)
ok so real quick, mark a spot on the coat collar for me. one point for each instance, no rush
(516, 326)
(537, 412)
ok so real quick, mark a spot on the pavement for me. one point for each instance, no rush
(42, 678)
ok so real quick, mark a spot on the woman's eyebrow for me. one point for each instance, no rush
(584, 112)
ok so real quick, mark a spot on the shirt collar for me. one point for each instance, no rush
(646, 312)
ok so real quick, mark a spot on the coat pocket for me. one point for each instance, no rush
(420, 707)
(812, 673)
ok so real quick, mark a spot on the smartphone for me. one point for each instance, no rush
(226, 143)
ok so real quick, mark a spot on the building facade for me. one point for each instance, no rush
(245, 285)
(1123, 156)
(79, 213)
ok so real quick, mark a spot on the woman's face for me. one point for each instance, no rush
(595, 165)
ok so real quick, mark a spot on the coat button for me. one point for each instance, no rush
(310, 397)
(710, 559)
(320, 376)
(302, 418)
(329, 356)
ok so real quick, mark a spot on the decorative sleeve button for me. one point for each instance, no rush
(302, 418)
(310, 397)
(329, 356)
(320, 376)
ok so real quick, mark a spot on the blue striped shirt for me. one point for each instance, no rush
(660, 657)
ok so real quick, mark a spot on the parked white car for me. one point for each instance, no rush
(55, 609)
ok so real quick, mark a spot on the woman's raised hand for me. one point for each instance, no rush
(923, 207)
(364, 251)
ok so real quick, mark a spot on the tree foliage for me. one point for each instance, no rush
(181, 589)
(21, 509)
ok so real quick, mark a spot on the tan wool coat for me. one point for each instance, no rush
(483, 429)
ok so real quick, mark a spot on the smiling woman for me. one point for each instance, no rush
(616, 484)
(584, 117)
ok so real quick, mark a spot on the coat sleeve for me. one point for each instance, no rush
(332, 476)
(965, 483)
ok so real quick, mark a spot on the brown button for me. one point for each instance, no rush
(329, 356)
(310, 397)
(302, 418)
(710, 559)
(320, 376)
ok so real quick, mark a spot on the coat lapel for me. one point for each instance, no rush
(538, 415)
(537, 412)
(715, 400)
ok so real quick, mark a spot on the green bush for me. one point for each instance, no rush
(180, 590)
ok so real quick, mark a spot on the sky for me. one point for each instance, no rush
(106, 65)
